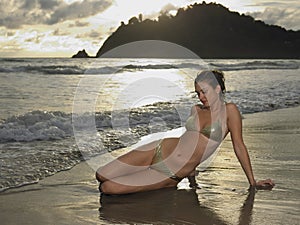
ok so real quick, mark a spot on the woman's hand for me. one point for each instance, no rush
(267, 184)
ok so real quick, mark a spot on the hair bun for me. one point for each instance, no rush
(219, 75)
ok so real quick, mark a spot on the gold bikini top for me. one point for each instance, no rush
(212, 131)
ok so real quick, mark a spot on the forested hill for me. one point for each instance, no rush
(210, 31)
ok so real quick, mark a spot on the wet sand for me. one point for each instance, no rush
(273, 140)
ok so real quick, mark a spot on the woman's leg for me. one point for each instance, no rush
(136, 160)
(145, 180)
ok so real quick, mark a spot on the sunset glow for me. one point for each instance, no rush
(61, 28)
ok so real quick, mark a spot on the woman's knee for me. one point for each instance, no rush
(99, 177)
(109, 187)
(104, 187)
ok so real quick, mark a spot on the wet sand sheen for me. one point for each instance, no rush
(71, 197)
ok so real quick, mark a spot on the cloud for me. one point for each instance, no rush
(35, 40)
(166, 9)
(288, 18)
(10, 33)
(59, 32)
(79, 24)
(78, 10)
(93, 34)
(277, 3)
(6, 33)
(16, 13)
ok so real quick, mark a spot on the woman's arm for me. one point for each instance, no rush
(235, 128)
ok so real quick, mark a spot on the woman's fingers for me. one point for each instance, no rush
(265, 184)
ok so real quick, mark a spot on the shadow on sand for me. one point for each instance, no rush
(167, 206)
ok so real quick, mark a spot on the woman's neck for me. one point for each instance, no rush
(216, 107)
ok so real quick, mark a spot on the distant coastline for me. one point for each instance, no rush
(210, 31)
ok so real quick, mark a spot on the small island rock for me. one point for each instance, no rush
(81, 54)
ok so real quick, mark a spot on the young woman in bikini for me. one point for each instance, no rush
(166, 162)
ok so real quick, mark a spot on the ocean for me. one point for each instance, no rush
(46, 104)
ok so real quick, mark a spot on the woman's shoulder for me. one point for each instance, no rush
(232, 109)
(194, 109)
(231, 106)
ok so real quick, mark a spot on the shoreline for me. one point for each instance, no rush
(72, 197)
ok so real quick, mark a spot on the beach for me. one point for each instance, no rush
(64, 115)
(72, 197)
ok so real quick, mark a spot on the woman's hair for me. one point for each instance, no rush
(214, 78)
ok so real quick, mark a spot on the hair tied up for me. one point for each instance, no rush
(214, 78)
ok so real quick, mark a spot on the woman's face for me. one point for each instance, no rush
(206, 93)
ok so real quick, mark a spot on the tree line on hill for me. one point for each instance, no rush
(210, 31)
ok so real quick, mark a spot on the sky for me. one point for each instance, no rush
(60, 28)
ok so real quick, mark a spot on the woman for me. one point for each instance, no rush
(165, 163)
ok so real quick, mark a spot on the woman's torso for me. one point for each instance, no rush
(204, 133)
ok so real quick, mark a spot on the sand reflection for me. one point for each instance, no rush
(167, 206)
